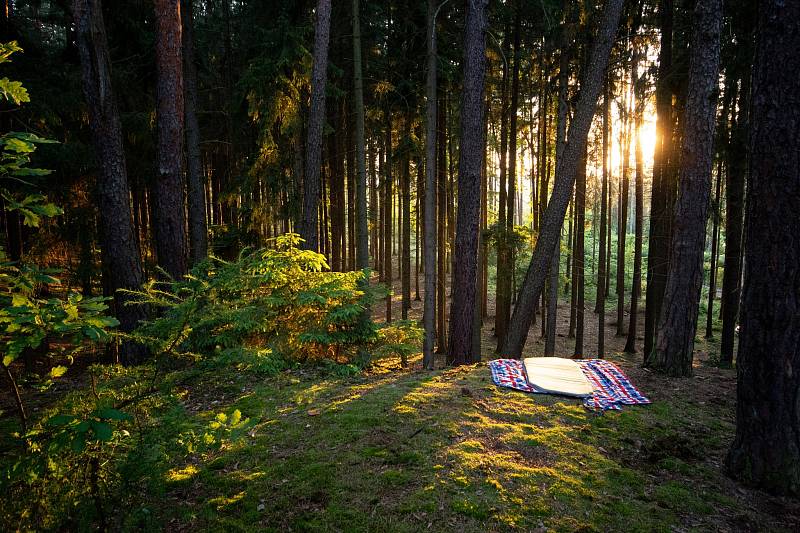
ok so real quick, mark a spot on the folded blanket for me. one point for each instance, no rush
(612, 389)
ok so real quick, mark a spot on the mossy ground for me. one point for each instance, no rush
(409, 450)
(392, 449)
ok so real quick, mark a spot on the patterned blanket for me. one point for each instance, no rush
(612, 388)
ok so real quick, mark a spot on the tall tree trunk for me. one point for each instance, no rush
(553, 218)
(465, 269)
(622, 220)
(118, 241)
(561, 139)
(405, 215)
(361, 228)
(766, 450)
(736, 168)
(502, 307)
(316, 118)
(663, 184)
(712, 271)
(441, 193)
(636, 286)
(429, 309)
(579, 256)
(170, 223)
(195, 186)
(600, 305)
(678, 319)
(388, 210)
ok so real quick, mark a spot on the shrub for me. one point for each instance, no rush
(280, 298)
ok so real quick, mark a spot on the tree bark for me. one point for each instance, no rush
(120, 252)
(736, 168)
(430, 229)
(636, 286)
(600, 306)
(663, 184)
(405, 215)
(316, 119)
(198, 230)
(169, 209)
(465, 268)
(766, 450)
(554, 216)
(678, 318)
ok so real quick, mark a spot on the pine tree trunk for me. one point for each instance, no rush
(195, 186)
(316, 119)
(600, 305)
(712, 271)
(579, 255)
(118, 240)
(636, 286)
(430, 229)
(169, 202)
(736, 168)
(766, 450)
(405, 192)
(441, 194)
(553, 219)
(464, 287)
(387, 254)
(502, 307)
(663, 184)
(361, 228)
(678, 318)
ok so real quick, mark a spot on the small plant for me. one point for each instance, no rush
(279, 298)
(401, 338)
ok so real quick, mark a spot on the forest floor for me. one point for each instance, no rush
(393, 449)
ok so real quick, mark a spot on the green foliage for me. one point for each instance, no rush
(400, 338)
(15, 155)
(279, 298)
(26, 320)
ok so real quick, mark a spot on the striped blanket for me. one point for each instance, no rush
(612, 389)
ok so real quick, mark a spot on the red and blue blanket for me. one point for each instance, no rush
(612, 388)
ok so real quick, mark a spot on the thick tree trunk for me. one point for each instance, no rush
(316, 118)
(429, 310)
(195, 186)
(766, 450)
(120, 252)
(553, 219)
(465, 268)
(169, 202)
(678, 318)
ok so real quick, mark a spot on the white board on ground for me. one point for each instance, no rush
(556, 375)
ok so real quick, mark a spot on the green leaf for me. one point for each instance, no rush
(60, 420)
(57, 371)
(102, 431)
(13, 91)
(112, 414)
(79, 442)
